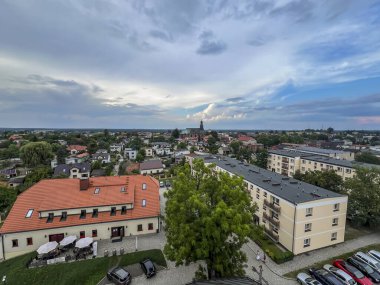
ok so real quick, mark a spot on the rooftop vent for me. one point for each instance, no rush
(266, 180)
(276, 184)
(285, 178)
(293, 182)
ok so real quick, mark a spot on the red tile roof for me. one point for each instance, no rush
(76, 147)
(244, 138)
(60, 194)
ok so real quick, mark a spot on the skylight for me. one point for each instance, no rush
(97, 190)
(122, 189)
(29, 213)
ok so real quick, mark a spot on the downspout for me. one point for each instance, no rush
(294, 226)
(2, 245)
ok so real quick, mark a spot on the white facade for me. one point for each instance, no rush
(149, 152)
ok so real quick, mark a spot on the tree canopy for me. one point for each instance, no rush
(261, 158)
(36, 153)
(364, 197)
(327, 179)
(208, 217)
(367, 157)
(175, 133)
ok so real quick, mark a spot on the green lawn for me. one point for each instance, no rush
(356, 232)
(84, 272)
(320, 264)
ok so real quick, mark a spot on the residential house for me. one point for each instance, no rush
(116, 147)
(149, 152)
(98, 207)
(75, 149)
(77, 170)
(151, 167)
(8, 173)
(130, 154)
(16, 181)
(300, 216)
(77, 158)
(224, 150)
(103, 157)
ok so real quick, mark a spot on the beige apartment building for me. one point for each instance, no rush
(98, 207)
(332, 153)
(287, 162)
(300, 216)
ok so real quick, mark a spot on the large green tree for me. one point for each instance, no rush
(175, 133)
(7, 198)
(208, 217)
(364, 197)
(327, 179)
(261, 158)
(367, 157)
(36, 153)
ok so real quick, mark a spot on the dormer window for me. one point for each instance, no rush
(64, 216)
(50, 218)
(29, 213)
(95, 213)
(113, 211)
(122, 189)
(97, 190)
(123, 210)
(144, 186)
(82, 214)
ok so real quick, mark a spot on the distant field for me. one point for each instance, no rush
(86, 272)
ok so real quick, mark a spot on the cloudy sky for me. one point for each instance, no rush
(163, 64)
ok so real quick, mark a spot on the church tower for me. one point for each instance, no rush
(201, 127)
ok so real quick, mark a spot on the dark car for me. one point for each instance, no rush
(325, 277)
(148, 267)
(119, 276)
(355, 273)
(366, 269)
(168, 184)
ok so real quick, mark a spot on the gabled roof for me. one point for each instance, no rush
(62, 194)
(151, 164)
(64, 169)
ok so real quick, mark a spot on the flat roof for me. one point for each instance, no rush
(318, 150)
(289, 153)
(287, 188)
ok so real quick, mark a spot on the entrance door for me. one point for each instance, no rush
(117, 232)
(56, 237)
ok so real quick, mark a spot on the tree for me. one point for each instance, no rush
(235, 146)
(212, 146)
(182, 145)
(327, 179)
(36, 153)
(330, 130)
(139, 157)
(175, 133)
(37, 174)
(193, 149)
(61, 154)
(208, 217)
(7, 198)
(96, 165)
(261, 158)
(367, 157)
(364, 197)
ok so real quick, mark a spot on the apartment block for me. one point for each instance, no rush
(299, 216)
(332, 153)
(287, 162)
(98, 207)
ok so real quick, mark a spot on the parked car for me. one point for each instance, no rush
(148, 267)
(325, 277)
(167, 183)
(306, 279)
(365, 269)
(374, 254)
(374, 263)
(119, 276)
(162, 184)
(340, 274)
(354, 272)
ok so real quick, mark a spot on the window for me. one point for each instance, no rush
(122, 189)
(321, 164)
(334, 236)
(348, 170)
(144, 186)
(113, 211)
(75, 176)
(336, 207)
(257, 196)
(95, 213)
(14, 242)
(29, 213)
(63, 216)
(123, 210)
(143, 202)
(275, 230)
(29, 241)
(139, 228)
(276, 201)
(82, 234)
(97, 190)
(82, 214)
(335, 222)
(274, 215)
(94, 233)
(306, 242)
(303, 161)
(264, 207)
(50, 218)
(307, 227)
(309, 212)
(265, 194)
(150, 226)
(303, 168)
(257, 191)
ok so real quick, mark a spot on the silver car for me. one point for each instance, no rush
(306, 279)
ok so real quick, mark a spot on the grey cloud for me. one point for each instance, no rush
(210, 45)
(161, 35)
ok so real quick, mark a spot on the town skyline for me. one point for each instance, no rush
(143, 64)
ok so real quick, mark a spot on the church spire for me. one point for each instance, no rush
(201, 127)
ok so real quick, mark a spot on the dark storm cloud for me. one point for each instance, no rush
(209, 45)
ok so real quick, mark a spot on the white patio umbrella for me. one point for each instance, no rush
(47, 247)
(84, 242)
(68, 240)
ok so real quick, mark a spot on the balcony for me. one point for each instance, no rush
(273, 206)
(272, 234)
(271, 220)
(284, 159)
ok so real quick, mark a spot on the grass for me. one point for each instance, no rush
(356, 232)
(84, 272)
(320, 264)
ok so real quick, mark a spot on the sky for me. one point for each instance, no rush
(282, 64)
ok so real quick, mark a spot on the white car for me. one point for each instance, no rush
(374, 254)
(340, 274)
(306, 279)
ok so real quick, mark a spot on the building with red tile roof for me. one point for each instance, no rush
(99, 207)
(74, 149)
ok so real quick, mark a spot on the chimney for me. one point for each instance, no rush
(84, 184)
